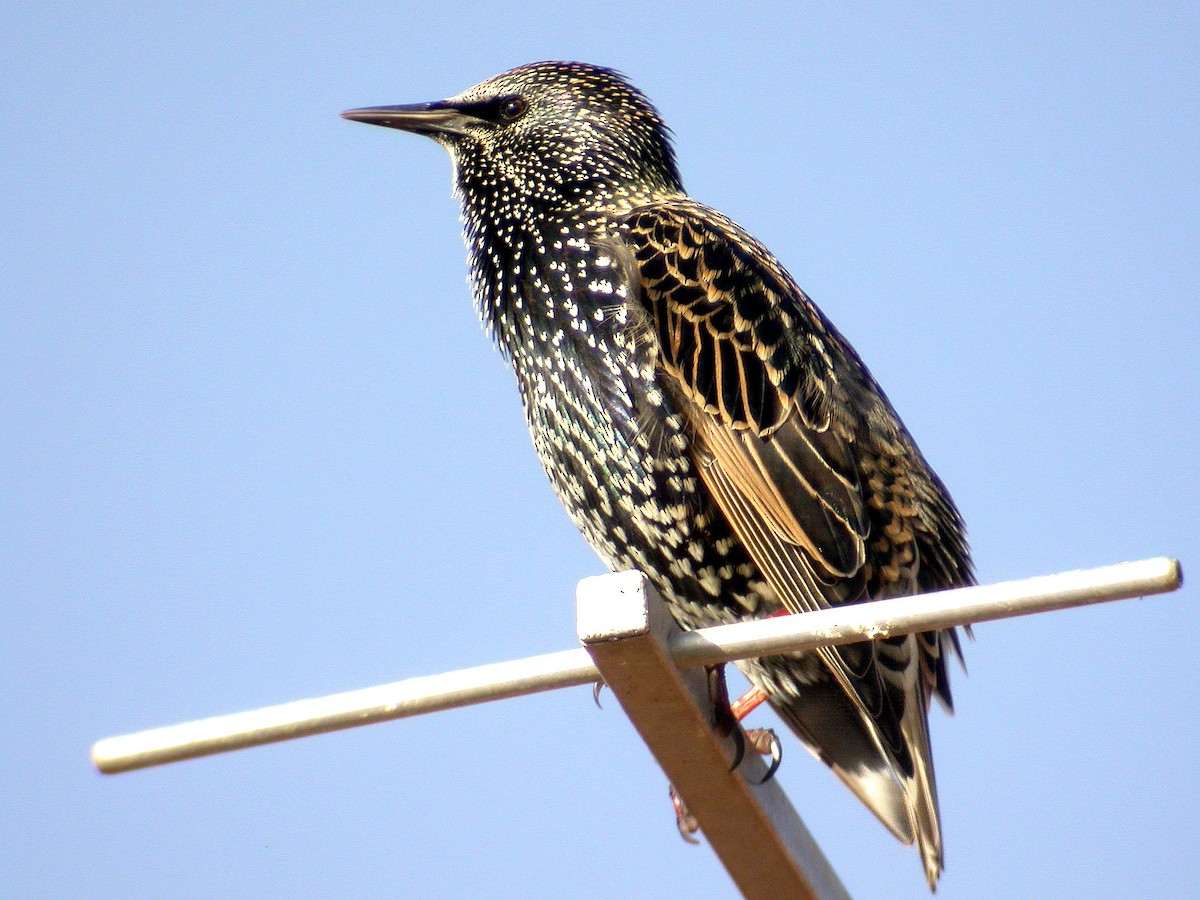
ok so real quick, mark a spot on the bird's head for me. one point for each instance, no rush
(550, 135)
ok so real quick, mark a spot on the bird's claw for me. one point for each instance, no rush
(765, 742)
(723, 719)
(739, 751)
(597, 688)
(684, 820)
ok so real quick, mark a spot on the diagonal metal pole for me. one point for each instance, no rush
(748, 820)
(415, 696)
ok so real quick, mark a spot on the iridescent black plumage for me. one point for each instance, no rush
(698, 416)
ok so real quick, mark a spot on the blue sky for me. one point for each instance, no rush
(255, 446)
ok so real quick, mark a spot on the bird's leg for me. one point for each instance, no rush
(763, 741)
(724, 720)
(748, 703)
(726, 717)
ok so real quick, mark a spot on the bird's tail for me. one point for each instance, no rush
(896, 785)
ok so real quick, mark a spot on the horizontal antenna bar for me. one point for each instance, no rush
(842, 625)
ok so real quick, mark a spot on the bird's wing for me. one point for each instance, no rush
(749, 352)
(780, 406)
(755, 364)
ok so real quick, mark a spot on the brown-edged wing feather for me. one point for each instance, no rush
(807, 460)
(744, 355)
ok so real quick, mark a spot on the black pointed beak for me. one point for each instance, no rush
(420, 118)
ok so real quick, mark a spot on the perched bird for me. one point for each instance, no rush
(700, 419)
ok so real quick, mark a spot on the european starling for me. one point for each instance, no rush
(700, 419)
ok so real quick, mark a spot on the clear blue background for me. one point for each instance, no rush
(256, 447)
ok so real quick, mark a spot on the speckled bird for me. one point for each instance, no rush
(699, 417)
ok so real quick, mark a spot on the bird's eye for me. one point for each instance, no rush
(512, 109)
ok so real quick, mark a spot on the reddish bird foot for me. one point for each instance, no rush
(684, 820)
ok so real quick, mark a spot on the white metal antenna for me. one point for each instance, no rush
(652, 667)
